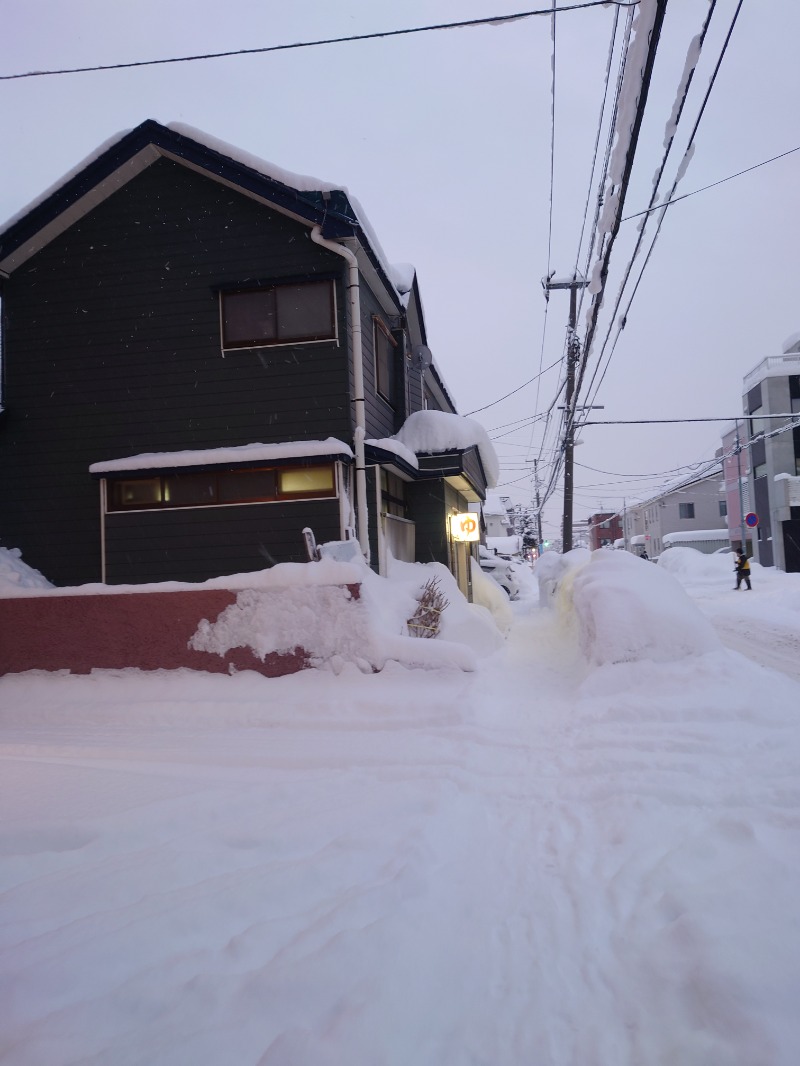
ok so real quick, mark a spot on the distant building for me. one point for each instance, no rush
(604, 529)
(498, 516)
(773, 388)
(691, 505)
(735, 471)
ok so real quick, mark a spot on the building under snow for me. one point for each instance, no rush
(771, 400)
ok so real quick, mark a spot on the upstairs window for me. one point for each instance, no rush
(686, 510)
(385, 348)
(278, 314)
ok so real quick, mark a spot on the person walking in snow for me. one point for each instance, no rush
(742, 570)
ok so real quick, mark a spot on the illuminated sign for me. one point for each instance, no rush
(464, 527)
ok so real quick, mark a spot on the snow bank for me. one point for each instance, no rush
(692, 567)
(335, 629)
(552, 567)
(487, 593)
(628, 610)
(16, 575)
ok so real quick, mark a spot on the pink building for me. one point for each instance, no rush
(735, 468)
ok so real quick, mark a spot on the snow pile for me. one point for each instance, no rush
(487, 593)
(628, 610)
(15, 575)
(215, 869)
(551, 569)
(333, 628)
(692, 567)
(392, 601)
(326, 623)
(430, 432)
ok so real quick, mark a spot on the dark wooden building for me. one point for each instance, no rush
(201, 357)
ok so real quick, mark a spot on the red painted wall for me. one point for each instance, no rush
(147, 630)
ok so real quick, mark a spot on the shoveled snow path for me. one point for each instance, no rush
(520, 865)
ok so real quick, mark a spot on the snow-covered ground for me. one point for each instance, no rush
(585, 852)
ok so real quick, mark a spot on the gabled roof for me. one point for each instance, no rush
(305, 199)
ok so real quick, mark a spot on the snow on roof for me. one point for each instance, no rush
(494, 505)
(245, 453)
(685, 536)
(398, 275)
(431, 432)
(505, 545)
(391, 444)
(791, 344)
(402, 275)
(301, 182)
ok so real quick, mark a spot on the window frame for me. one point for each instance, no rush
(278, 341)
(115, 481)
(687, 507)
(380, 327)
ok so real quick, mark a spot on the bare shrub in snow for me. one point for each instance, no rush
(426, 620)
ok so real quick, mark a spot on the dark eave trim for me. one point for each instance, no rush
(385, 458)
(250, 464)
(331, 210)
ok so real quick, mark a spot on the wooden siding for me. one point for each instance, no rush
(426, 508)
(112, 348)
(194, 544)
(473, 468)
(382, 418)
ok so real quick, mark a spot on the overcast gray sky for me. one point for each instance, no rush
(444, 138)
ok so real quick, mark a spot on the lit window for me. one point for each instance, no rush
(139, 492)
(306, 481)
(196, 488)
(278, 314)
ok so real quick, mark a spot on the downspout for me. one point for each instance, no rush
(358, 382)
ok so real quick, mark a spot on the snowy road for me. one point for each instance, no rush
(531, 864)
(774, 646)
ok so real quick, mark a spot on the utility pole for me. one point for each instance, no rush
(738, 450)
(573, 356)
(538, 506)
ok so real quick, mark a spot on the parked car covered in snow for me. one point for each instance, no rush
(502, 570)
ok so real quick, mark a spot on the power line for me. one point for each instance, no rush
(645, 74)
(687, 156)
(704, 188)
(495, 20)
(513, 391)
(695, 50)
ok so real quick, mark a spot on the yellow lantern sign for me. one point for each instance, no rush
(464, 526)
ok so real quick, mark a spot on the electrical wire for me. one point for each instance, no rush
(513, 391)
(705, 188)
(597, 138)
(675, 122)
(689, 151)
(605, 256)
(494, 20)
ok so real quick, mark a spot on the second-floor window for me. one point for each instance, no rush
(278, 314)
(686, 510)
(385, 348)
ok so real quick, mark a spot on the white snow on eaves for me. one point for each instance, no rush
(396, 447)
(300, 182)
(244, 453)
(432, 432)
